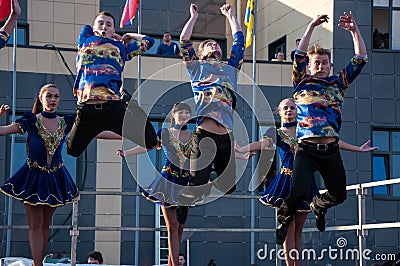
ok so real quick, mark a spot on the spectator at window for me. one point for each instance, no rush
(280, 57)
(168, 47)
(292, 52)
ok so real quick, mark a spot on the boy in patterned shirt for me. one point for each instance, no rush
(213, 83)
(319, 98)
(100, 63)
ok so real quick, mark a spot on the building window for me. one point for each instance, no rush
(276, 47)
(22, 36)
(386, 160)
(386, 24)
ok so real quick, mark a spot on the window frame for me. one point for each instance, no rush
(389, 8)
(388, 158)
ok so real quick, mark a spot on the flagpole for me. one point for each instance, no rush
(253, 135)
(137, 205)
(14, 96)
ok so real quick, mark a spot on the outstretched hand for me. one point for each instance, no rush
(245, 156)
(193, 10)
(347, 22)
(3, 109)
(15, 8)
(319, 20)
(121, 152)
(226, 10)
(366, 148)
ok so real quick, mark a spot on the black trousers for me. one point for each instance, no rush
(212, 152)
(92, 119)
(308, 160)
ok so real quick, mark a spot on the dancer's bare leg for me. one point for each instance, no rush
(173, 235)
(300, 219)
(39, 217)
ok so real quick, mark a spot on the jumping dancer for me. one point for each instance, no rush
(319, 98)
(100, 62)
(213, 84)
(278, 190)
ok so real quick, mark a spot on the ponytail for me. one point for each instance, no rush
(37, 106)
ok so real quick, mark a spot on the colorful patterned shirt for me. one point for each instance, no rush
(319, 100)
(3, 38)
(214, 82)
(100, 62)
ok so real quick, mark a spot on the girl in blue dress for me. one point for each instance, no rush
(164, 190)
(279, 189)
(42, 183)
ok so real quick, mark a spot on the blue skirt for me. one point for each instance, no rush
(34, 185)
(279, 189)
(166, 188)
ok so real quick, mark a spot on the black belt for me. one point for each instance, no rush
(319, 146)
(99, 106)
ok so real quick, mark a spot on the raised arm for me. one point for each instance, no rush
(305, 40)
(348, 23)
(228, 12)
(188, 28)
(12, 19)
(10, 129)
(135, 151)
(363, 148)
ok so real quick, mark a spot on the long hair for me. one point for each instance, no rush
(179, 106)
(38, 106)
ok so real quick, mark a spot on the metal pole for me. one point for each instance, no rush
(14, 96)
(238, 10)
(361, 233)
(74, 232)
(253, 135)
(137, 203)
(187, 252)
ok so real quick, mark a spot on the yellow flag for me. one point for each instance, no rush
(249, 22)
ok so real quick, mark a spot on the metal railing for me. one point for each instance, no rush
(361, 227)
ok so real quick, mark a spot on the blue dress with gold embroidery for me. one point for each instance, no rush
(279, 189)
(164, 190)
(36, 183)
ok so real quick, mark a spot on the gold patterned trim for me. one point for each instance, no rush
(267, 199)
(287, 171)
(51, 140)
(44, 168)
(40, 202)
(4, 35)
(168, 169)
(165, 200)
(21, 130)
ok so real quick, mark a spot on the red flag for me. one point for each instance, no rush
(5, 9)
(129, 12)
